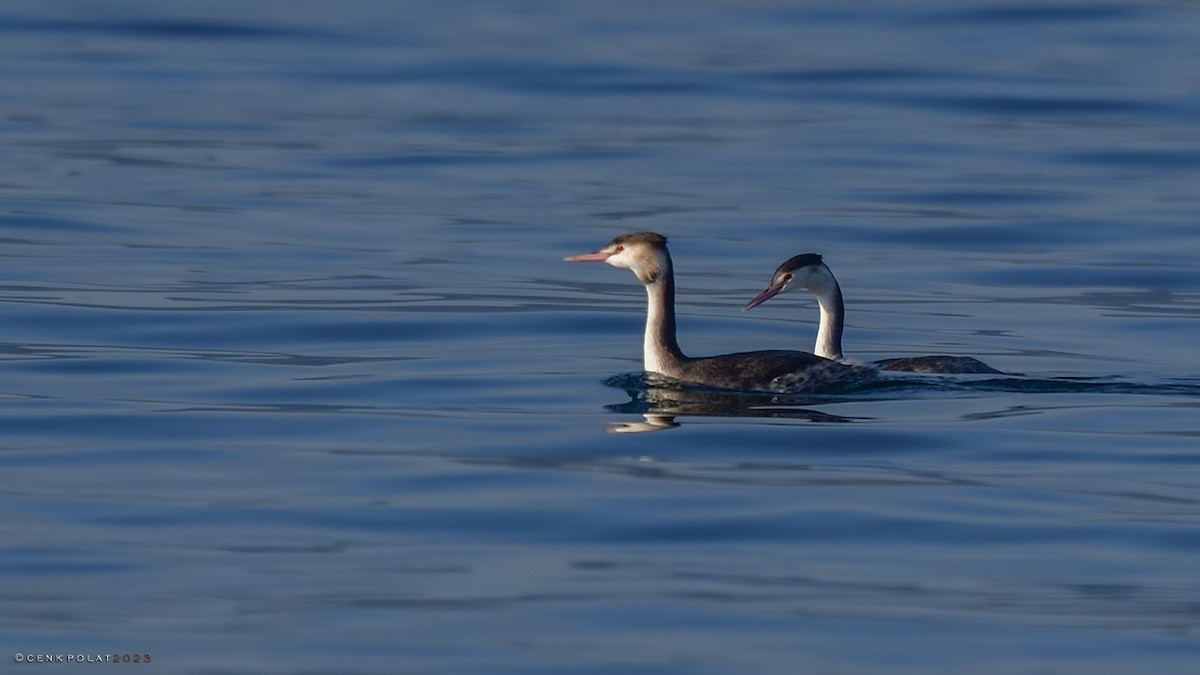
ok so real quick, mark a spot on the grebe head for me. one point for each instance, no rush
(806, 271)
(643, 252)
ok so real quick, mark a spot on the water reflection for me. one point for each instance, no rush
(653, 423)
(660, 401)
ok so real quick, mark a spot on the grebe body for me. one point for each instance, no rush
(646, 255)
(809, 271)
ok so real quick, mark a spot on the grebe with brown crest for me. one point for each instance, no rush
(808, 271)
(646, 255)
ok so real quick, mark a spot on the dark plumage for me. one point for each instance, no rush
(649, 238)
(747, 370)
(797, 261)
(939, 365)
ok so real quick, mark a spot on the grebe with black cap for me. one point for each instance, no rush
(808, 271)
(646, 255)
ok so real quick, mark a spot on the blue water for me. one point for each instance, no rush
(294, 378)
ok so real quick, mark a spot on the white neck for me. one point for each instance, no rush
(829, 343)
(660, 349)
(653, 357)
(829, 297)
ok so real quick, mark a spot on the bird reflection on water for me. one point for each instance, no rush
(661, 400)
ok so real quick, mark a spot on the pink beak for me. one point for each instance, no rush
(766, 295)
(598, 256)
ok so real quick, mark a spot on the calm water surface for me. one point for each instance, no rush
(294, 378)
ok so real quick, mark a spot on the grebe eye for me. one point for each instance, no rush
(787, 278)
(618, 248)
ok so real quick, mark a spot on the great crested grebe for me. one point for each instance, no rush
(808, 271)
(645, 253)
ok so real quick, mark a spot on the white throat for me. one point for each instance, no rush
(828, 345)
(653, 350)
(829, 296)
(660, 350)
